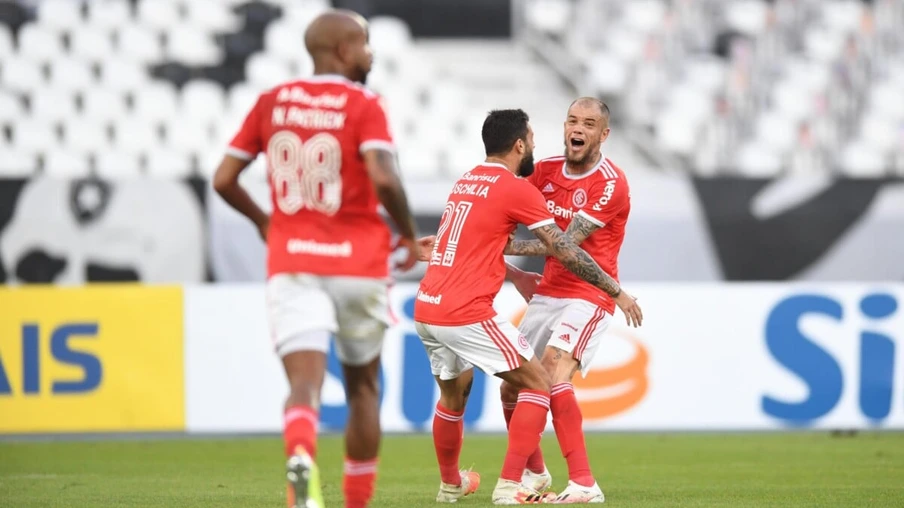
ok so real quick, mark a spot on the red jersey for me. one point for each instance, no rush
(325, 218)
(467, 268)
(600, 196)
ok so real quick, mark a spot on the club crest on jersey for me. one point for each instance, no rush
(579, 198)
(548, 188)
(522, 341)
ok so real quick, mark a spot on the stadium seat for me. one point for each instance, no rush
(81, 135)
(107, 15)
(188, 45)
(674, 134)
(823, 45)
(643, 15)
(60, 15)
(776, 131)
(52, 105)
(887, 100)
(21, 74)
(89, 44)
(158, 14)
(794, 101)
(39, 44)
(123, 75)
(266, 71)
(168, 163)
(879, 133)
(842, 16)
(187, 135)
(860, 160)
(155, 102)
(115, 164)
(389, 37)
(65, 164)
(550, 16)
(284, 39)
(139, 43)
(757, 160)
(747, 16)
(211, 16)
(132, 135)
(707, 74)
(17, 164)
(242, 98)
(627, 44)
(202, 100)
(416, 161)
(6, 43)
(12, 109)
(608, 74)
(103, 104)
(72, 75)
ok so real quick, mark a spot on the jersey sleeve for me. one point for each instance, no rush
(608, 200)
(375, 127)
(528, 206)
(248, 142)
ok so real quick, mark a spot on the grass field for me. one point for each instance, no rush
(635, 470)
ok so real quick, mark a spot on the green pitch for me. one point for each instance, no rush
(635, 470)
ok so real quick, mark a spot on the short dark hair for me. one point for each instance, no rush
(502, 128)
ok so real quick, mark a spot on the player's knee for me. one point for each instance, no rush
(453, 399)
(303, 393)
(508, 392)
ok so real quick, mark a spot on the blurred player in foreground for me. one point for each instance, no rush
(454, 313)
(331, 163)
(567, 318)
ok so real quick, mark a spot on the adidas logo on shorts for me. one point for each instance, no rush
(566, 338)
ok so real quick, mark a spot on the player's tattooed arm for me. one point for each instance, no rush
(579, 229)
(576, 259)
(384, 174)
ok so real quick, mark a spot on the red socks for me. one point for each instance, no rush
(525, 428)
(567, 420)
(448, 429)
(535, 461)
(300, 428)
(358, 482)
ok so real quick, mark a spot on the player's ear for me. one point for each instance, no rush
(604, 134)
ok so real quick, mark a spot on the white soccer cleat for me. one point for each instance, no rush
(578, 494)
(509, 492)
(541, 482)
(449, 493)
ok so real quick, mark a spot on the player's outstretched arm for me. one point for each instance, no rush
(581, 264)
(381, 167)
(226, 183)
(578, 230)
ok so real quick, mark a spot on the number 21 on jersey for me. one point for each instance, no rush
(452, 222)
(306, 174)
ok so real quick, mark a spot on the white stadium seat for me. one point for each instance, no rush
(860, 160)
(103, 104)
(549, 16)
(60, 14)
(12, 109)
(69, 74)
(21, 74)
(34, 136)
(52, 104)
(189, 46)
(879, 133)
(187, 135)
(242, 98)
(91, 44)
(108, 14)
(776, 131)
(6, 42)
(843, 16)
(155, 101)
(643, 15)
(887, 100)
(266, 71)
(64, 164)
(284, 39)
(16, 163)
(389, 37)
(757, 160)
(116, 164)
(747, 16)
(158, 14)
(39, 44)
(134, 136)
(140, 43)
(123, 75)
(608, 74)
(203, 100)
(211, 16)
(168, 163)
(82, 135)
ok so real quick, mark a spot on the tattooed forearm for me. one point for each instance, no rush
(576, 260)
(578, 230)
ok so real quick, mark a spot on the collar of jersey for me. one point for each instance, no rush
(492, 165)
(585, 175)
(337, 78)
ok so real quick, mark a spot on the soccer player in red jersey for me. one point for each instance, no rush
(331, 163)
(454, 313)
(566, 319)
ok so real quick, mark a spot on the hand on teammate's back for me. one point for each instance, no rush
(628, 305)
(426, 245)
(412, 253)
(526, 283)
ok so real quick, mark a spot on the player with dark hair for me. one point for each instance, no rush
(454, 313)
(566, 320)
(331, 163)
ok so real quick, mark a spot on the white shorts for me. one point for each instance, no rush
(493, 346)
(573, 325)
(304, 309)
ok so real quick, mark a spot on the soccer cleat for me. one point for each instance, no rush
(509, 492)
(579, 494)
(304, 481)
(449, 493)
(537, 481)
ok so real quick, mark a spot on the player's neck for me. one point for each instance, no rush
(580, 169)
(512, 168)
(329, 70)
